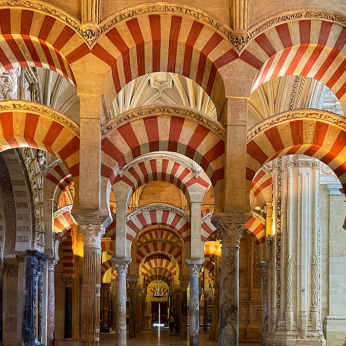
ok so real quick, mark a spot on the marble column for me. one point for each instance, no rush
(184, 284)
(177, 311)
(230, 234)
(139, 307)
(194, 269)
(33, 295)
(133, 280)
(264, 267)
(205, 298)
(121, 267)
(91, 286)
(214, 325)
(51, 301)
(68, 306)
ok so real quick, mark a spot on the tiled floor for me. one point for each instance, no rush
(152, 337)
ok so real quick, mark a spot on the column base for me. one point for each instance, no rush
(293, 339)
(335, 329)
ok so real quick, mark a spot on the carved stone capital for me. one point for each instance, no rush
(133, 281)
(92, 235)
(264, 267)
(90, 32)
(121, 265)
(184, 283)
(194, 268)
(68, 279)
(52, 262)
(230, 229)
(239, 39)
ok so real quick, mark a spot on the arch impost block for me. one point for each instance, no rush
(143, 112)
(315, 114)
(45, 111)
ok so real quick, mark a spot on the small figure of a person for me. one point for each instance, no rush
(171, 322)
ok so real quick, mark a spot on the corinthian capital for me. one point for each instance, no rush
(92, 235)
(230, 228)
(194, 266)
(121, 265)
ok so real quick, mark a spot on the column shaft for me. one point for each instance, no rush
(68, 307)
(132, 322)
(183, 319)
(194, 269)
(120, 335)
(91, 286)
(51, 303)
(177, 312)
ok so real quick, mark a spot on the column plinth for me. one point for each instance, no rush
(194, 269)
(91, 286)
(121, 267)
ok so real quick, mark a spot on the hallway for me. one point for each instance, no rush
(151, 337)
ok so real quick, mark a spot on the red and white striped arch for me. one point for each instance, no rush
(158, 278)
(261, 188)
(105, 266)
(162, 170)
(107, 245)
(256, 228)
(68, 259)
(159, 263)
(311, 48)
(158, 215)
(156, 247)
(207, 228)
(158, 271)
(63, 220)
(208, 265)
(318, 134)
(162, 133)
(25, 124)
(163, 234)
(165, 42)
(33, 38)
(110, 230)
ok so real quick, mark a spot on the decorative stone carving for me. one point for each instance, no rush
(324, 116)
(229, 232)
(143, 112)
(92, 235)
(194, 269)
(42, 110)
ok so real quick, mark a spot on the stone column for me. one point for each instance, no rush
(184, 284)
(265, 275)
(177, 311)
(121, 267)
(230, 234)
(194, 269)
(91, 286)
(106, 308)
(214, 325)
(68, 306)
(205, 296)
(133, 280)
(51, 301)
(139, 307)
(33, 294)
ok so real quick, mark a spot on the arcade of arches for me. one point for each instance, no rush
(164, 158)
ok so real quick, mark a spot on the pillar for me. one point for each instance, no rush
(264, 267)
(194, 269)
(33, 295)
(106, 308)
(51, 302)
(121, 267)
(139, 307)
(184, 284)
(133, 280)
(177, 311)
(91, 286)
(68, 306)
(230, 234)
(205, 298)
(214, 325)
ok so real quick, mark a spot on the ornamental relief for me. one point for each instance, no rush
(143, 112)
(313, 114)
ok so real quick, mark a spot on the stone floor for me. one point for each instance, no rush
(151, 337)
